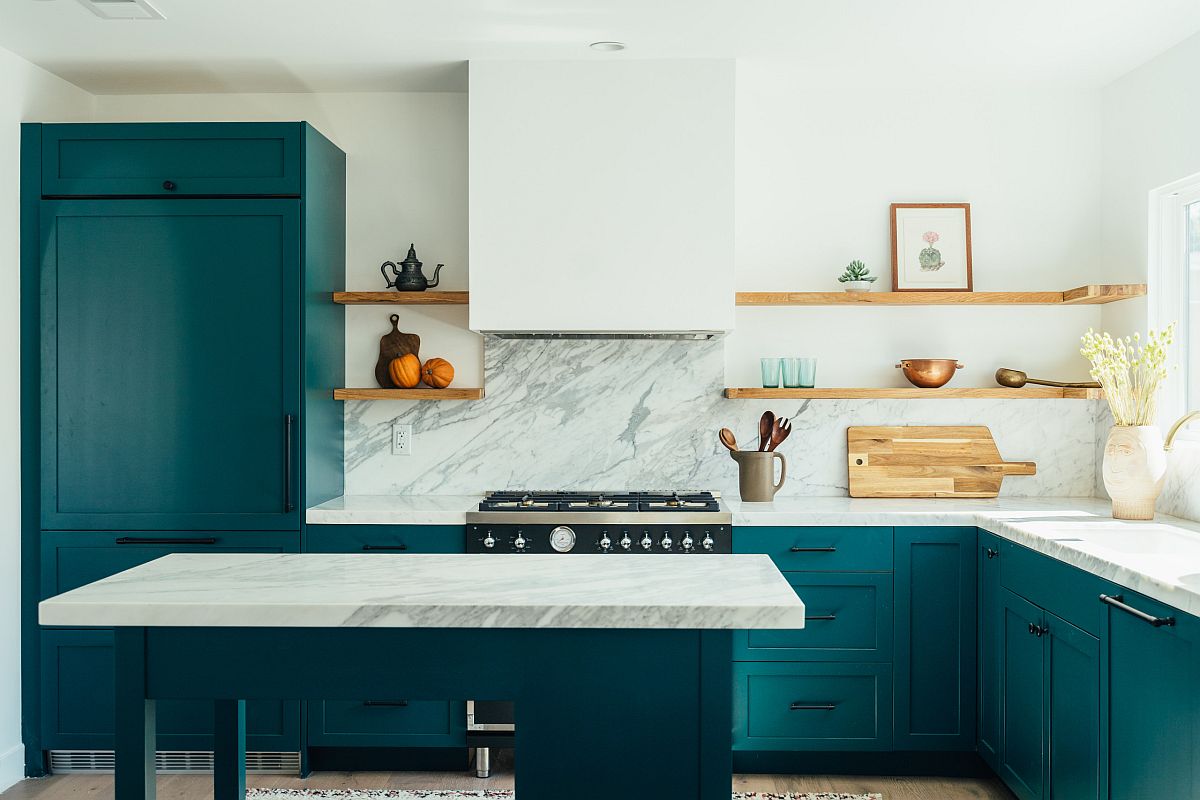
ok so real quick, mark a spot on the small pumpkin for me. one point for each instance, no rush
(437, 373)
(405, 371)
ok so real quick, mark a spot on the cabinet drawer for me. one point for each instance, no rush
(385, 539)
(77, 675)
(71, 559)
(171, 159)
(1068, 593)
(822, 549)
(849, 618)
(812, 706)
(388, 723)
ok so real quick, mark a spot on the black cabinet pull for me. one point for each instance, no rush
(385, 703)
(1116, 601)
(812, 706)
(370, 547)
(798, 549)
(1038, 630)
(287, 464)
(991, 553)
(821, 618)
(168, 540)
(169, 186)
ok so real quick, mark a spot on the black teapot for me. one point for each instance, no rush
(408, 275)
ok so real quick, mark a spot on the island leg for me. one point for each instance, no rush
(229, 752)
(134, 739)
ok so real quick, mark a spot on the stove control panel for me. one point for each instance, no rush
(614, 539)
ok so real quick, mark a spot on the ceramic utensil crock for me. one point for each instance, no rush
(756, 474)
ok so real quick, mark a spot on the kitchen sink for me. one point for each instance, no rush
(1148, 540)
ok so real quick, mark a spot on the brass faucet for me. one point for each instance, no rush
(1184, 420)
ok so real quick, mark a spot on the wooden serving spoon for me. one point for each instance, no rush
(766, 424)
(781, 430)
(727, 438)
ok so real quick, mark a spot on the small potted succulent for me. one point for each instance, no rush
(857, 278)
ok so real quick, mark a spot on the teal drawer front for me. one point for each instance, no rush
(849, 618)
(819, 549)
(388, 723)
(77, 695)
(842, 707)
(1068, 593)
(171, 159)
(385, 539)
(71, 559)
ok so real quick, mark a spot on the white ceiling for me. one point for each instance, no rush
(421, 45)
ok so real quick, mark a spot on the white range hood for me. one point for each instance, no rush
(601, 198)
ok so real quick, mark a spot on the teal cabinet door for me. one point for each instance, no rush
(170, 364)
(387, 723)
(819, 548)
(1154, 700)
(1024, 698)
(1073, 676)
(935, 638)
(384, 539)
(991, 638)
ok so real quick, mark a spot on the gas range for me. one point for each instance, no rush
(618, 522)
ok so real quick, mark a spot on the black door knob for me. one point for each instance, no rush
(169, 185)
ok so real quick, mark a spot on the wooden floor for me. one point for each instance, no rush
(199, 787)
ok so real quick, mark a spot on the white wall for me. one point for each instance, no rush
(406, 182)
(27, 94)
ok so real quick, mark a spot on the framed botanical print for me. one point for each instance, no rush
(931, 247)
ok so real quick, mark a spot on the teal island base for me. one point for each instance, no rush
(600, 713)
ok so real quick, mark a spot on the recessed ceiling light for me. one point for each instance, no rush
(122, 9)
(607, 47)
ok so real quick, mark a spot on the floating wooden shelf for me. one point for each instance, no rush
(408, 394)
(1083, 295)
(401, 298)
(913, 393)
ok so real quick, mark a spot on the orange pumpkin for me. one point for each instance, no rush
(405, 371)
(437, 373)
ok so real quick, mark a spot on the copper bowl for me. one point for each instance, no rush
(929, 373)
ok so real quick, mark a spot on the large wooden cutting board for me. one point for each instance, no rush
(927, 461)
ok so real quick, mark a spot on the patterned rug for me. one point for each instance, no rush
(494, 794)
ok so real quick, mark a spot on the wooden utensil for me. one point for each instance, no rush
(781, 430)
(728, 439)
(393, 345)
(1015, 379)
(927, 461)
(766, 423)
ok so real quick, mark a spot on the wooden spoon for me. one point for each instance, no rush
(781, 430)
(766, 424)
(727, 438)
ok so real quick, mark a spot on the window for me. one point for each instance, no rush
(1175, 292)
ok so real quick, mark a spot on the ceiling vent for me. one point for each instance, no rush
(122, 9)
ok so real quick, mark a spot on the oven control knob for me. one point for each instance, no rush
(520, 543)
(562, 539)
(687, 542)
(489, 541)
(707, 542)
(646, 543)
(605, 542)
(626, 542)
(666, 541)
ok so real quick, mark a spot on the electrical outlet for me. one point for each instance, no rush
(401, 439)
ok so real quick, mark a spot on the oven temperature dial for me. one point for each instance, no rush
(562, 539)
(626, 542)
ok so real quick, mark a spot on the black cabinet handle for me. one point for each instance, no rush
(169, 186)
(370, 547)
(812, 706)
(287, 464)
(991, 553)
(385, 703)
(798, 549)
(821, 618)
(1116, 602)
(168, 540)
(1038, 630)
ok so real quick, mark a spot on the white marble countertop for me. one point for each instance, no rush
(382, 509)
(313, 590)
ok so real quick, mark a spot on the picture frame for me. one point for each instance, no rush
(931, 247)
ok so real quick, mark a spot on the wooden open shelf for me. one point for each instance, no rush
(395, 298)
(408, 394)
(1083, 295)
(913, 393)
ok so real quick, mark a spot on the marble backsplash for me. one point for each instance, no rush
(645, 414)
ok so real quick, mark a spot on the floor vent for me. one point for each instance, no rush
(172, 761)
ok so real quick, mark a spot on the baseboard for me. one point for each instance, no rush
(943, 764)
(12, 766)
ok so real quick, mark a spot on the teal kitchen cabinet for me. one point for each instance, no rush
(936, 622)
(990, 648)
(1023, 747)
(819, 548)
(384, 539)
(1152, 656)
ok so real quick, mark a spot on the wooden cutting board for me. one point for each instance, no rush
(928, 461)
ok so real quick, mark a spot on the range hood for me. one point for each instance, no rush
(601, 198)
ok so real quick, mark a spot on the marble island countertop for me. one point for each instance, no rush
(723, 592)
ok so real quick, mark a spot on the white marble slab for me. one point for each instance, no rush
(379, 509)
(311, 590)
(923, 511)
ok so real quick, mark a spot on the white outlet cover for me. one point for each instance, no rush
(402, 435)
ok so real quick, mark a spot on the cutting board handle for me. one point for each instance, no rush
(1019, 468)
